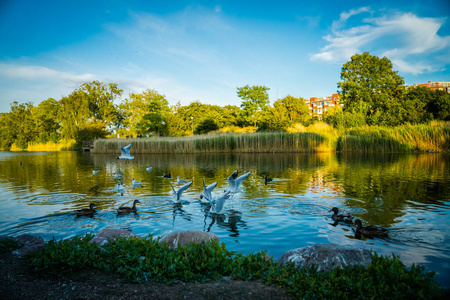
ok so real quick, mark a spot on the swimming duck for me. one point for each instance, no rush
(125, 210)
(267, 179)
(168, 175)
(340, 217)
(371, 230)
(86, 211)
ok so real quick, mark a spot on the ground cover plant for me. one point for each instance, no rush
(143, 260)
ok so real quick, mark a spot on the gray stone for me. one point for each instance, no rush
(29, 242)
(183, 238)
(104, 236)
(326, 256)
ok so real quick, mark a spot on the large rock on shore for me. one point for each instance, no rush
(104, 236)
(326, 256)
(183, 238)
(29, 243)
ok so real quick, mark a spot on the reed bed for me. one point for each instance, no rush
(243, 143)
(396, 139)
(50, 146)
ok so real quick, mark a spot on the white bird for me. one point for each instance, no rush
(180, 180)
(234, 182)
(219, 206)
(94, 172)
(176, 197)
(120, 188)
(207, 191)
(125, 152)
(149, 169)
(137, 183)
(117, 176)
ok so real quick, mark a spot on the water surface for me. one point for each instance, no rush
(407, 193)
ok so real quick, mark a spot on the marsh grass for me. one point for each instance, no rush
(264, 142)
(50, 146)
(142, 260)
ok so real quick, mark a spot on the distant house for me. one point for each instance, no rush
(442, 86)
(318, 106)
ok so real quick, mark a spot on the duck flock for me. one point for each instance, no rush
(217, 203)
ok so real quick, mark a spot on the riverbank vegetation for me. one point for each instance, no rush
(369, 97)
(143, 260)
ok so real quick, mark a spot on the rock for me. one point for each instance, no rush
(183, 238)
(29, 242)
(327, 256)
(104, 236)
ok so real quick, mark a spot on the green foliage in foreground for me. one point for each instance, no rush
(8, 244)
(143, 260)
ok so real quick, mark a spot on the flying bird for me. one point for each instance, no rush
(125, 152)
(176, 197)
(95, 172)
(207, 190)
(234, 181)
(219, 206)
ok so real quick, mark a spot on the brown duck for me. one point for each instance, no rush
(86, 211)
(371, 230)
(340, 217)
(125, 210)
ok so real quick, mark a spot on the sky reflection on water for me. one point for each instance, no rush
(408, 193)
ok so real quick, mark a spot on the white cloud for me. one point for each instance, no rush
(411, 42)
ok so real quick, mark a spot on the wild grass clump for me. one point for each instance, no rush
(396, 139)
(144, 260)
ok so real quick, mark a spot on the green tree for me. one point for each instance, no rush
(369, 85)
(255, 100)
(145, 112)
(439, 105)
(22, 124)
(296, 108)
(46, 120)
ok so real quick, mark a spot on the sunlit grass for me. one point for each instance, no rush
(50, 146)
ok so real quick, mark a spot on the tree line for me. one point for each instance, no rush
(372, 93)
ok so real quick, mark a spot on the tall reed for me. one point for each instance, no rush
(49, 146)
(229, 142)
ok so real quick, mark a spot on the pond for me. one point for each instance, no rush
(407, 193)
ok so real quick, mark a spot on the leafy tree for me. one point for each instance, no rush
(145, 112)
(439, 105)
(255, 99)
(74, 114)
(275, 118)
(46, 120)
(369, 85)
(337, 118)
(8, 132)
(296, 108)
(206, 126)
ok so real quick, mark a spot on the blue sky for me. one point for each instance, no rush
(203, 50)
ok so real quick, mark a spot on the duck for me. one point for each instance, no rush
(168, 175)
(341, 217)
(219, 206)
(125, 210)
(267, 179)
(371, 230)
(234, 181)
(125, 152)
(207, 191)
(86, 211)
(95, 172)
(176, 196)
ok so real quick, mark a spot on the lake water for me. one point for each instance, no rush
(407, 193)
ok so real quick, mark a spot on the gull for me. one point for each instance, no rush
(120, 188)
(234, 182)
(219, 206)
(149, 169)
(207, 191)
(137, 183)
(117, 176)
(94, 172)
(177, 194)
(125, 152)
(180, 181)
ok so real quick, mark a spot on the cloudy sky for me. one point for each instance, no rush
(203, 50)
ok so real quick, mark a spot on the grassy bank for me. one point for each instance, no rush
(145, 261)
(314, 139)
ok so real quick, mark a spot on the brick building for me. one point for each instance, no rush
(319, 106)
(443, 86)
